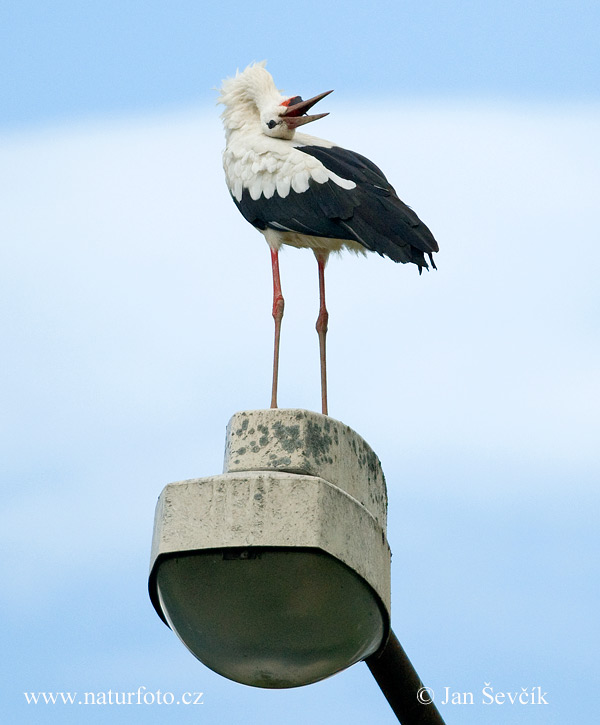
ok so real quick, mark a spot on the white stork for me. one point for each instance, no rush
(307, 192)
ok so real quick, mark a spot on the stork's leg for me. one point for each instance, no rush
(321, 325)
(278, 305)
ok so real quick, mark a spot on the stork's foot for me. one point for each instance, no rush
(278, 307)
(322, 330)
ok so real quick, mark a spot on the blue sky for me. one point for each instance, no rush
(69, 59)
(136, 320)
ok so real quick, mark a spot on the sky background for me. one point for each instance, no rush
(136, 320)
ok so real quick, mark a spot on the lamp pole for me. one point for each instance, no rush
(402, 686)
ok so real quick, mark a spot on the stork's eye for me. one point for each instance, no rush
(272, 124)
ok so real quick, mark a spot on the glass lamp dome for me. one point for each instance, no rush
(269, 617)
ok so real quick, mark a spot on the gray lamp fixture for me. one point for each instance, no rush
(277, 572)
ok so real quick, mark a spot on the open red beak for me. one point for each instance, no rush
(293, 114)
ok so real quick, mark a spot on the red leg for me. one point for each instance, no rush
(278, 305)
(322, 325)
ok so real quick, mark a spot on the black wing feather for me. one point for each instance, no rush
(371, 214)
(399, 224)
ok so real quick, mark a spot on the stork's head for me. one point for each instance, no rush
(252, 101)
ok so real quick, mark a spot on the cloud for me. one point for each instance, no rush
(134, 290)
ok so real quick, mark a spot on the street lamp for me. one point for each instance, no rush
(277, 572)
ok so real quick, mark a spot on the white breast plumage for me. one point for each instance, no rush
(270, 165)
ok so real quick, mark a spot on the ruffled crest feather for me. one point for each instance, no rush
(242, 94)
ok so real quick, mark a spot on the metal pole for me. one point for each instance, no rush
(402, 686)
